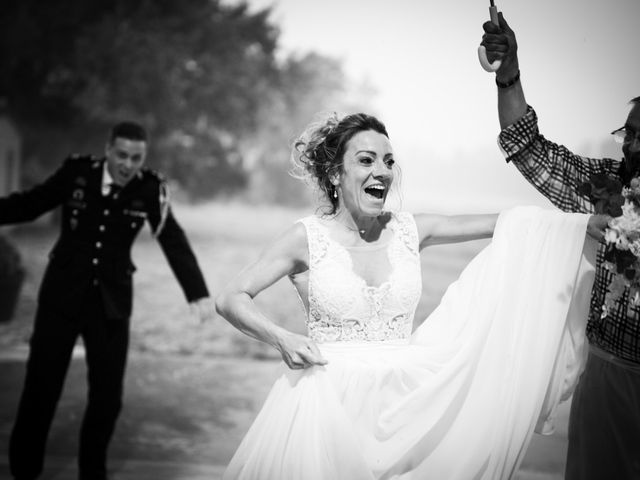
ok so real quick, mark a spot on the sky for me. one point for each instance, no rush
(579, 64)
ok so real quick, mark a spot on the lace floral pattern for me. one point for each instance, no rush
(342, 307)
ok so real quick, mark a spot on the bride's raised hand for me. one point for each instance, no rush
(299, 351)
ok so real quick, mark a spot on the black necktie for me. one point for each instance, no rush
(114, 189)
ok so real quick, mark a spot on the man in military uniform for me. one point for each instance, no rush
(87, 290)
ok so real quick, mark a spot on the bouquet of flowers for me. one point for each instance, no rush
(622, 237)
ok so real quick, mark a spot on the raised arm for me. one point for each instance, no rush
(551, 168)
(438, 229)
(286, 256)
(500, 42)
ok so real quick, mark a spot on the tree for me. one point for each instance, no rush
(201, 75)
(310, 86)
(192, 72)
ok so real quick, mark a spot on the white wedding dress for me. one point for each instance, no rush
(457, 399)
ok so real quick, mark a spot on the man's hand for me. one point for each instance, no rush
(597, 225)
(500, 43)
(203, 308)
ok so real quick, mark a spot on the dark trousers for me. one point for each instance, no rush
(604, 423)
(106, 343)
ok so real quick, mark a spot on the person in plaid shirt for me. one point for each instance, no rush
(604, 423)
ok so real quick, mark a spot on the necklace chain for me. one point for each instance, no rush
(361, 231)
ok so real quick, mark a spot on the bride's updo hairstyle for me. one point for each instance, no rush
(318, 152)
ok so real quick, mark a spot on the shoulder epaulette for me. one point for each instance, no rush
(153, 174)
(86, 157)
(164, 196)
(89, 159)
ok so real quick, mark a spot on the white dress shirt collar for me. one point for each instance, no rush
(107, 179)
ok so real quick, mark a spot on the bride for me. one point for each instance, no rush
(365, 398)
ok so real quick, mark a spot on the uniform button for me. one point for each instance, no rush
(95, 261)
(101, 228)
(95, 282)
(98, 244)
(75, 212)
(106, 211)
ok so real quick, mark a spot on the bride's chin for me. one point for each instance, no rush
(366, 209)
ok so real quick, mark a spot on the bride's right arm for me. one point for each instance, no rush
(287, 255)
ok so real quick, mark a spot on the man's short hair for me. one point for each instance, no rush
(635, 101)
(128, 130)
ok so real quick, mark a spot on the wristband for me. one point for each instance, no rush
(508, 83)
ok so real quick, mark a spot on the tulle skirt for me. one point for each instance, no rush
(462, 397)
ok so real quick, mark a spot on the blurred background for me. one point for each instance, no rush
(224, 87)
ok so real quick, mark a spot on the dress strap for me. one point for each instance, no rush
(316, 240)
(407, 231)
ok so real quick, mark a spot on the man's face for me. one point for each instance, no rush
(125, 158)
(631, 145)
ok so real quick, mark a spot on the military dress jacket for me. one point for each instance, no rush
(97, 232)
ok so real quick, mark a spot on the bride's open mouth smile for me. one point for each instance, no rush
(376, 191)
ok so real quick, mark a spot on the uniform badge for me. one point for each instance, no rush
(77, 204)
(135, 213)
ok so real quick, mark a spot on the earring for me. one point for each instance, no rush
(335, 193)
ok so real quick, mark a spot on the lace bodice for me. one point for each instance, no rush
(342, 307)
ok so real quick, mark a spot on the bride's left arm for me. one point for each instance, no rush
(438, 229)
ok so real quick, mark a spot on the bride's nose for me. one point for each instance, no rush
(382, 170)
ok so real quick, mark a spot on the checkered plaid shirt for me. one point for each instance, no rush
(556, 173)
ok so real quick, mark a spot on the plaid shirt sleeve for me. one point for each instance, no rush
(552, 169)
(556, 173)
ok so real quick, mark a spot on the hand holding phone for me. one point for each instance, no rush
(482, 52)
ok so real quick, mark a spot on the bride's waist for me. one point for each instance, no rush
(358, 343)
(362, 345)
(376, 331)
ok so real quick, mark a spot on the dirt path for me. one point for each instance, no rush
(184, 417)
